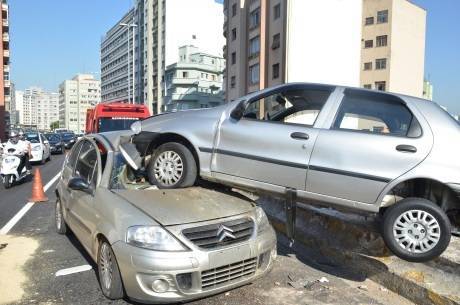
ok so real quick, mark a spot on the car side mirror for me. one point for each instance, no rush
(79, 184)
(238, 112)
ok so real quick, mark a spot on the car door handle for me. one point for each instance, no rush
(406, 148)
(300, 136)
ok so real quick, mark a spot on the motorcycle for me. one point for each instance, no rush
(9, 168)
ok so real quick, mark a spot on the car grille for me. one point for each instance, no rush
(207, 236)
(228, 274)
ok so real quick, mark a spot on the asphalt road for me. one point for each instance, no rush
(52, 252)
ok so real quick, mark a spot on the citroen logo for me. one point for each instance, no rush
(223, 232)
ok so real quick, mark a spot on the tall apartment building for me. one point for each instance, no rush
(162, 27)
(393, 46)
(36, 107)
(270, 42)
(75, 97)
(5, 90)
(117, 62)
(195, 81)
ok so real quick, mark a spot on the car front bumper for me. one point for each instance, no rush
(56, 148)
(226, 268)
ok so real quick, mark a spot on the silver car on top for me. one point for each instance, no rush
(342, 147)
(158, 246)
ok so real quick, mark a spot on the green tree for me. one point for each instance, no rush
(54, 125)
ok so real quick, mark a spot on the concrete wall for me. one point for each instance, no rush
(323, 42)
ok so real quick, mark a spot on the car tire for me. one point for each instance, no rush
(416, 229)
(109, 273)
(43, 160)
(49, 157)
(60, 224)
(172, 166)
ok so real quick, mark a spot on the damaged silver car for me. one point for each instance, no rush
(363, 150)
(158, 246)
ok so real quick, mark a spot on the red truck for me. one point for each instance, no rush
(114, 116)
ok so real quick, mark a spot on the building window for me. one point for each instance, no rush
(368, 44)
(184, 74)
(381, 64)
(369, 20)
(276, 41)
(382, 16)
(254, 18)
(276, 71)
(382, 41)
(234, 10)
(234, 34)
(368, 86)
(381, 86)
(233, 58)
(277, 11)
(232, 82)
(254, 74)
(367, 66)
(254, 46)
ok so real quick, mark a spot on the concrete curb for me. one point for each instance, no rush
(354, 242)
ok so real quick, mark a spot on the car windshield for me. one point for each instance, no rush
(53, 137)
(113, 124)
(68, 136)
(123, 177)
(32, 137)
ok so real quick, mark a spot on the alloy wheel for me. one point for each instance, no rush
(106, 265)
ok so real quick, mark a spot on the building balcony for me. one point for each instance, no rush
(4, 7)
(6, 83)
(5, 22)
(6, 68)
(6, 53)
(6, 37)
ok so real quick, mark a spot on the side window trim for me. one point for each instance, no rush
(78, 146)
(346, 92)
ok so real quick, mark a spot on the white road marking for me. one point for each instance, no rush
(13, 221)
(72, 270)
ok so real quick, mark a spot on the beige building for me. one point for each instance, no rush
(5, 85)
(393, 46)
(75, 97)
(270, 42)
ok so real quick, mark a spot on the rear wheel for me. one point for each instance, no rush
(109, 274)
(49, 157)
(172, 166)
(416, 229)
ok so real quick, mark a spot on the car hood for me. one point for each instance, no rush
(181, 206)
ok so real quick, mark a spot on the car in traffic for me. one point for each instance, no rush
(69, 139)
(158, 246)
(56, 142)
(348, 148)
(40, 147)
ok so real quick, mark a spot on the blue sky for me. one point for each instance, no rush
(52, 40)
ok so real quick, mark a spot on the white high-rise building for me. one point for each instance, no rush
(75, 97)
(36, 107)
(161, 28)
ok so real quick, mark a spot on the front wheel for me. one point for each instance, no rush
(416, 229)
(61, 226)
(8, 181)
(172, 166)
(109, 273)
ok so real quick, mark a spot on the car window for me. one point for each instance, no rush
(86, 166)
(290, 106)
(374, 114)
(32, 138)
(73, 155)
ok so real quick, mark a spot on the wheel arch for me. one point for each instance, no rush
(421, 187)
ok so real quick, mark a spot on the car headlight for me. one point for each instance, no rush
(36, 148)
(153, 237)
(261, 220)
(136, 127)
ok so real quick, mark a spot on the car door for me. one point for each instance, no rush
(373, 139)
(81, 205)
(272, 143)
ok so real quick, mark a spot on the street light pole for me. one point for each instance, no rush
(133, 26)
